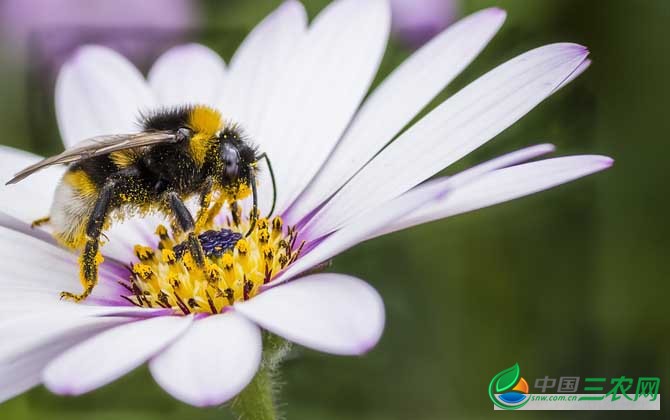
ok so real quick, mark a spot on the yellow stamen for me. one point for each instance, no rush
(235, 269)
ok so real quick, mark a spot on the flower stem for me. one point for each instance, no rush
(258, 400)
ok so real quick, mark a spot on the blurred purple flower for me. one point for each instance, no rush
(415, 22)
(49, 30)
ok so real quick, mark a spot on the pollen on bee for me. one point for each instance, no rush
(234, 270)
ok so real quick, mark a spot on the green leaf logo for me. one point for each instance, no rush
(506, 379)
(503, 382)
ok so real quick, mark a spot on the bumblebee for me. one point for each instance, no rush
(182, 152)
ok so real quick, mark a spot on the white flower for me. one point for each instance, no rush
(298, 91)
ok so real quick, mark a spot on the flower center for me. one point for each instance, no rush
(234, 269)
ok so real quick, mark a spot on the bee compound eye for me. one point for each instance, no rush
(231, 158)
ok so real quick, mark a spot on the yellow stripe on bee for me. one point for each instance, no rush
(205, 123)
(124, 158)
(81, 183)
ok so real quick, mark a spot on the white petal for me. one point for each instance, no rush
(257, 70)
(124, 235)
(99, 92)
(332, 313)
(367, 224)
(12, 223)
(31, 198)
(23, 373)
(36, 324)
(45, 324)
(188, 74)
(322, 87)
(111, 354)
(258, 65)
(462, 123)
(397, 100)
(212, 362)
(500, 186)
(41, 270)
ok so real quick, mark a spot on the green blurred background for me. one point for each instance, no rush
(573, 281)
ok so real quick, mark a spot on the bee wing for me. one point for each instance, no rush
(97, 146)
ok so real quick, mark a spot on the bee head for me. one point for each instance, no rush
(238, 166)
(236, 156)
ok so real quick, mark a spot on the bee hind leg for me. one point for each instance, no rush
(88, 271)
(90, 258)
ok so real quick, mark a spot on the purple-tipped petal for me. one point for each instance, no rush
(417, 81)
(461, 124)
(25, 371)
(503, 185)
(417, 21)
(111, 354)
(188, 74)
(332, 313)
(575, 74)
(35, 271)
(369, 223)
(50, 321)
(212, 362)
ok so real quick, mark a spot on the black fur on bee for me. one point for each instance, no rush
(181, 152)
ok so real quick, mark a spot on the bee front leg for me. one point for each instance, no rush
(186, 223)
(203, 220)
(90, 258)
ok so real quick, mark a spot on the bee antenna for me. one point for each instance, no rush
(274, 184)
(254, 209)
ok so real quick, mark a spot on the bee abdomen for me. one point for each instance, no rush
(73, 204)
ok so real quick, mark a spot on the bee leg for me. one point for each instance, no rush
(90, 258)
(186, 223)
(236, 213)
(203, 221)
(214, 210)
(39, 222)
